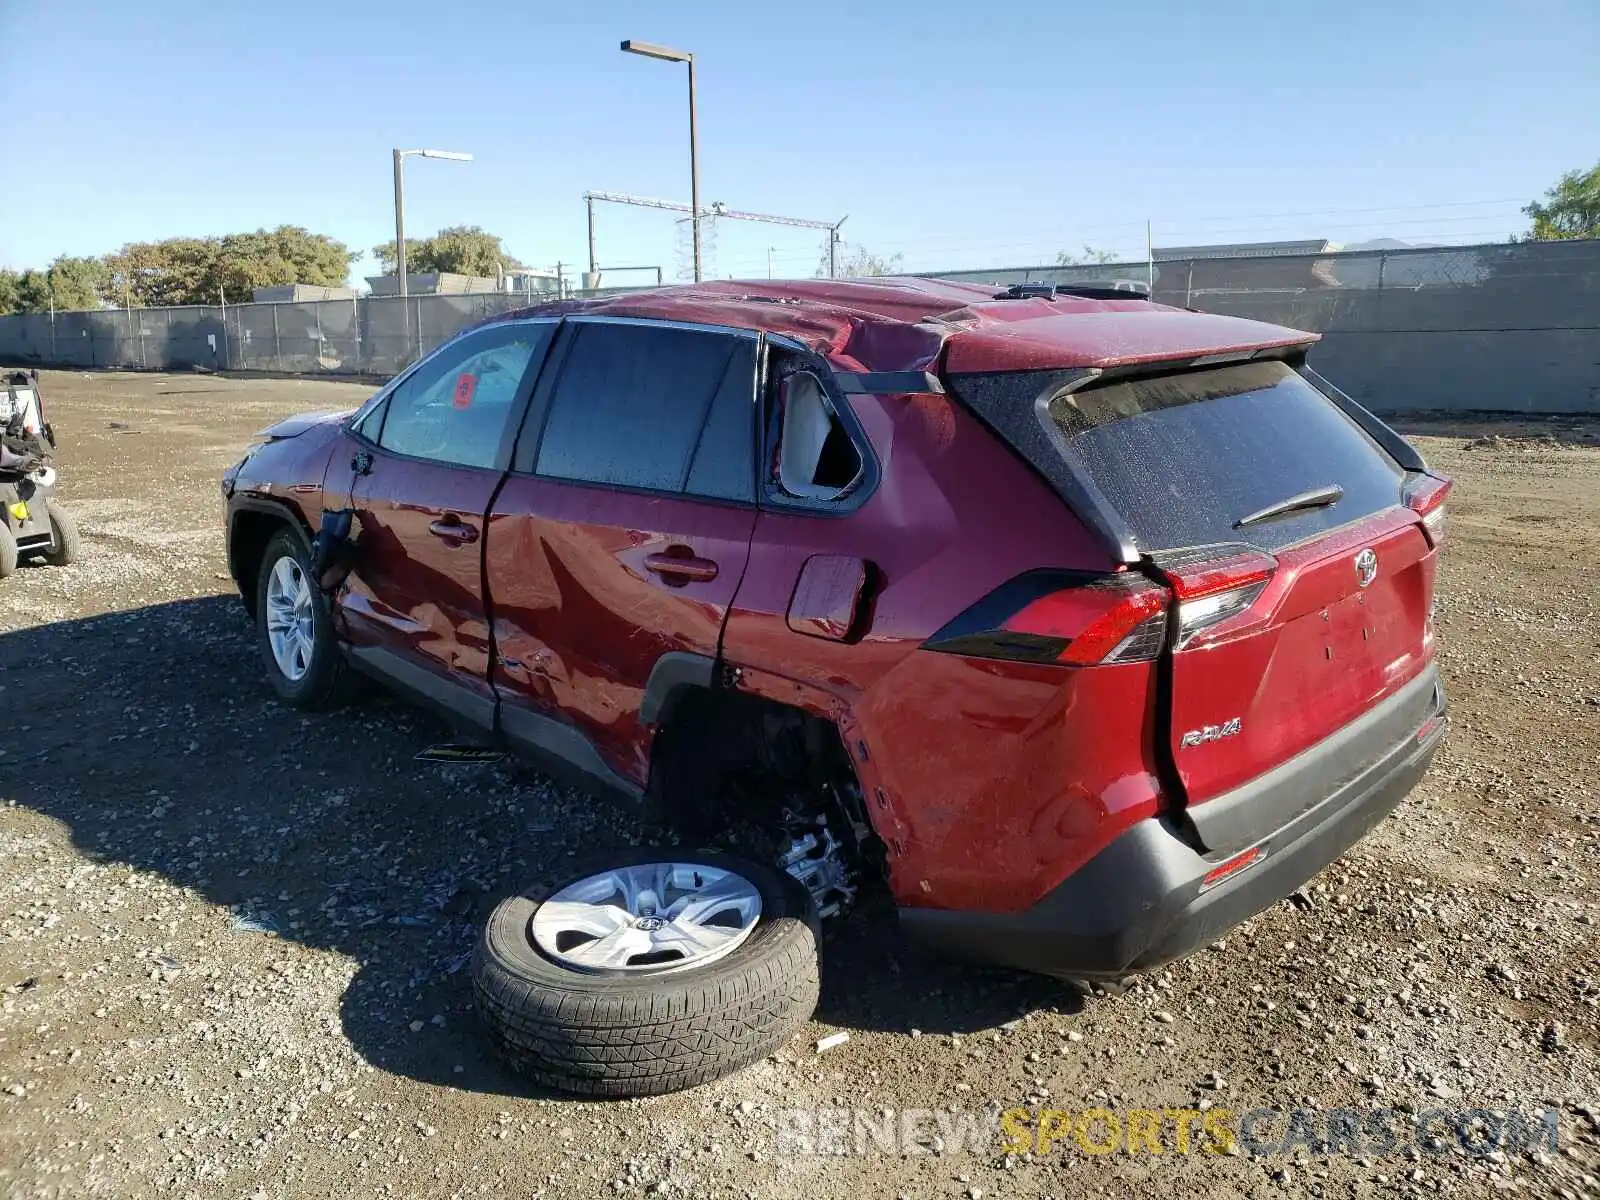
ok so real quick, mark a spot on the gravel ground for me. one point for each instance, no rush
(232, 938)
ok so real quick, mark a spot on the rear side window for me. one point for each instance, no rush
(1184, 457)
(654, 407)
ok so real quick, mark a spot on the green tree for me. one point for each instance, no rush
(1571, 208)
(68, 283)
(77, 283)
(860, 263)
(205, 270)
(1065, 258)
(460, 250)
(287, 254)
(9, 281)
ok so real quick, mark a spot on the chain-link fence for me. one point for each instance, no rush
(1509, 326)
(374, 335)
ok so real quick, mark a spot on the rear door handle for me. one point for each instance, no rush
(680, 570)
(453, 529)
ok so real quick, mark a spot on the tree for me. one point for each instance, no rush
(205, 270)
(66, 284)
(77, 283)
(287, 254)
(459, 250)
(1065, 258)
(1571, 210)
(860, 263)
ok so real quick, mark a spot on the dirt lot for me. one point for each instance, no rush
(231, 938)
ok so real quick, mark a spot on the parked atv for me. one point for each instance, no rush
(32, 523)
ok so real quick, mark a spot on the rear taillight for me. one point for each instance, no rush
(1425, 495)
(1214, 584)
(1063, 617)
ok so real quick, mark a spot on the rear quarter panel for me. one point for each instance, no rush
(937, 739)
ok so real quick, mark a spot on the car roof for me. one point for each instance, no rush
(907, 323)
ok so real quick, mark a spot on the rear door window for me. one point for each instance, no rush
(1183, 457)
(654, 407)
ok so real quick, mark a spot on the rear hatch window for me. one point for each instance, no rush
(1183, 457)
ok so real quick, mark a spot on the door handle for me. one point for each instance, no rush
(453, 529)
(678, 570)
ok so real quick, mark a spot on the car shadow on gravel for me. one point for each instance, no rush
(152, 736)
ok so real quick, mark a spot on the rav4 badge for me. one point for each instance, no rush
(1210, 733)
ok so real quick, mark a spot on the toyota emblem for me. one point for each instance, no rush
(1366, 567)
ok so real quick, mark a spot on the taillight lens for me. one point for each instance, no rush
(1063, 617)
(1425, 495)
(1214, 584)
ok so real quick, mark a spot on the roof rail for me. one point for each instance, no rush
(1094, 289)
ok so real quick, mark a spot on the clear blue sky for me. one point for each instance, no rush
(954, 134)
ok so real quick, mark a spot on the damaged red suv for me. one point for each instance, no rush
(1085, 626)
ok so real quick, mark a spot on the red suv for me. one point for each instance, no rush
(1086, 626)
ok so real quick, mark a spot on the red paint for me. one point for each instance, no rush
(989, 781)
(416, 593)
(905, 324)
(580, 617)
(827, 599)
(1313, 652)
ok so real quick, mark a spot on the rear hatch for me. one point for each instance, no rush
(1299, 579)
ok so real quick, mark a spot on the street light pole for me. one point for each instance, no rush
(400, 157)
(400, 220)
(667, 54)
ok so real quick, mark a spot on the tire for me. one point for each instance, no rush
(64, 538)
(326, 681)
(8, 551)
(627, 1033)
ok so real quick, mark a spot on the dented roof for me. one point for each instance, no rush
(905, 324)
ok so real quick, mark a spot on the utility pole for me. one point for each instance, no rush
(667, 54)
(593, 281)
(401, 272)
(833, 247)
(1150, 257)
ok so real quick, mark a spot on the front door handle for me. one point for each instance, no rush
(678, 569)
(453, 529)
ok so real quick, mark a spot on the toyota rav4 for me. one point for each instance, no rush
(1085, 626)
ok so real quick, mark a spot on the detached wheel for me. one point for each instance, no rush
(648, 972)
(295, 628)
(63, 538)
(8, 551)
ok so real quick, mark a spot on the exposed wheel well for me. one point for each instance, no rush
(742, 770)
(249, 531)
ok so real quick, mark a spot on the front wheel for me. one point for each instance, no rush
(295, 627)
(8, 551)
(648, 971)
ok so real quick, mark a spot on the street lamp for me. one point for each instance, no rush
(400, 157)
(666, 54)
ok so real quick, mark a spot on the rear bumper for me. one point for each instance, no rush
(1141, 901)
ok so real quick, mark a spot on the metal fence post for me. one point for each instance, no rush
(277, 342)
(316, 307)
